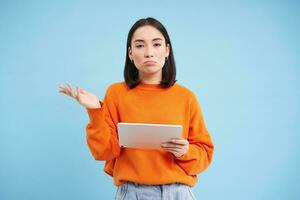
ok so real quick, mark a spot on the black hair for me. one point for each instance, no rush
(131, 73)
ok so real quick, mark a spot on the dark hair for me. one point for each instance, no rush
(131, 73)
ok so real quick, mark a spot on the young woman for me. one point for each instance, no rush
(150, 95)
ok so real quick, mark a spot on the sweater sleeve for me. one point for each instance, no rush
(199, 156)
(102, 137)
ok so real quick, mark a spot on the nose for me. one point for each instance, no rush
(149, 52)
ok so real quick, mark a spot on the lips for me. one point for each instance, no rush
(149, 63)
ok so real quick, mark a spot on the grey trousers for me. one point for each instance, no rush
(134, 191)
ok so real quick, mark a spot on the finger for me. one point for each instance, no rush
(176, 153)
(66, 91)
(168, 146)
(173, 149)
(82, 90)
(63, 90)
(70, 89)
(69, 86)
(171, 144)
(175, 146)
(61, 87)
(78, 90)
(178, 141)
(78, 93)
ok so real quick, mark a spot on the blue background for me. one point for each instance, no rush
(241, 58)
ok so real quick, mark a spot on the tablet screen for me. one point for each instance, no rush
(139, 135)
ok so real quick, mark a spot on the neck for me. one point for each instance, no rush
(151, 79)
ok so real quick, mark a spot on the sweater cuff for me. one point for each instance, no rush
(96, 114)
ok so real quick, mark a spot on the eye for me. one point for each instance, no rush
(157, 44)
(139, 45)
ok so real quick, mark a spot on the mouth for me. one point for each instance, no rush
(149, 63)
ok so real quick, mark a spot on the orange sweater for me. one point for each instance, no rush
(148, 103)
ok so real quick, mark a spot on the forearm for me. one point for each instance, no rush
(101, 137)
(197, 159)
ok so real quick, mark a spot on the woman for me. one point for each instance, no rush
(148, 95)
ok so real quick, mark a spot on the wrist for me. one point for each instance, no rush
(96, 106)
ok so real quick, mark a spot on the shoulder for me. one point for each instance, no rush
(116, 88)
(187, 95)
(117, 85)
(183, 90)
(190, 97)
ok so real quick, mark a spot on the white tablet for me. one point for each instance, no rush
(138, 135)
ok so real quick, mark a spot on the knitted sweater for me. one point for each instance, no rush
(149, 103)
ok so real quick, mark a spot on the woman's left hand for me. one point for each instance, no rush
(176, 146)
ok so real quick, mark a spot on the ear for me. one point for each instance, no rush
(130, 53)
(167, 50)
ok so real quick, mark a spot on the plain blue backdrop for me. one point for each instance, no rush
(241, 58)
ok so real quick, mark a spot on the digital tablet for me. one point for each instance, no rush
(139, 135)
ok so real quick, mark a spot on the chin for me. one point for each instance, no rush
(154, 70)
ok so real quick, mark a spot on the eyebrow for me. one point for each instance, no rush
(140, 40)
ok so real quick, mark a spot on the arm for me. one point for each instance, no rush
(101, 131)
(200, 152)
(102, 137)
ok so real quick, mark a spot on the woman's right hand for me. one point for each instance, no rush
(83, 97)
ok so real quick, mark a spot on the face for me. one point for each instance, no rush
(148, 52)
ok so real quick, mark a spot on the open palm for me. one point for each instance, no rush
(83, 97)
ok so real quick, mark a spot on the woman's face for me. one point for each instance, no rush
(148, 51)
